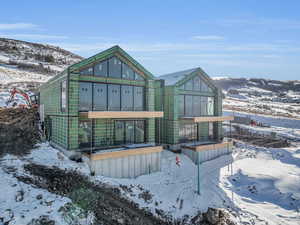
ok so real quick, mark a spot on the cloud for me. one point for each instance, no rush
(208, 37)
(183, 47)
(17, 26)
(35, 36)
(273, 23)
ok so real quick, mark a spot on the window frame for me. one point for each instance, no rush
(124, 121)
(183, 128)
(107, 98)
(64, 108)
(192, 113)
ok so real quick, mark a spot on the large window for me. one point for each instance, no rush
(127, 98)
(181, 105)
(210, 106)
(110, 97)
(195, 105)
(113, 97)
(196, 84)
(112, 67)
(85, 133)
(204, 105)
(115, 67)
(188, 132)
(129, 131)
(64, 96)
(188, 106)
(87, 71)
(100, 97)
(127, 72)
(100, 69)
(138, 98)
(85, 96)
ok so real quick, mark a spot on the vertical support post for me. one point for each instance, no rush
(198, 164)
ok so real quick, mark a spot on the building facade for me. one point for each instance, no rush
(118, 115)
(192, 121)
(105, 102)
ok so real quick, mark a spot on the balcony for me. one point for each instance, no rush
(121, 114)
(201, 152)
(209, 119)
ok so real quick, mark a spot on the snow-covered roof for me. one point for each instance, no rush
(173, 78)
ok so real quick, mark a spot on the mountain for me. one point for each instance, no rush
(23, 63)
(261, 96)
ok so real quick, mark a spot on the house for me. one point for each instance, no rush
(104, 107)
(192, 122)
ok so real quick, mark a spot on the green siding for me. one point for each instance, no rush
(167, 99)
(64, 125)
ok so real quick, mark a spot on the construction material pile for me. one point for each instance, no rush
(19, 130)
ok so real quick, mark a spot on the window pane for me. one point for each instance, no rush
(114, 67)
(181, 105)
(100, 69)
(100, 97)
(197, 83)
(113, 97)
(138, 77)
(129, 132)
(64, 95)
(127, 72)
(196, 105)
(127, 98)
(87, 71)
(85, 134)
(187, 132)
(85, 96)
(119, 132)
(203, 106)
(204, 87)
(138, 98)
(188, 85)
(188, 99)
(210, 106)
(140, 131)
(211, 130)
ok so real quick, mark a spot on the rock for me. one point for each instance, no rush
(42, 220)
(7, 216)
(39, 196)
(212, 215)
(76, 157)
(19, 196)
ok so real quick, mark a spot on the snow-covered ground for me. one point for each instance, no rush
(21, 203)
(8, 75)
(263, 186)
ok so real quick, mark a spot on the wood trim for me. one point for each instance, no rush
(125, 153)
(200, 148)
(209, 118)
(121, 114)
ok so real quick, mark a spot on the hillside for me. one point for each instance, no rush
(27, 63)
(261, 96)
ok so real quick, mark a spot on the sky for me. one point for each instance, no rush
(234, 38)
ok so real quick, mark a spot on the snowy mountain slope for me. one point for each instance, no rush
(24, 62)
(35, 57)
(261, 96)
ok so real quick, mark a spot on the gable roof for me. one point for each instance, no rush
(173, 78)
(107, 53)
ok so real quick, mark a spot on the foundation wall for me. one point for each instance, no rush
(130, 166)
(206, 155)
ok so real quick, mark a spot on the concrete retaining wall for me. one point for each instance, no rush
(128, 166)
(206, 155)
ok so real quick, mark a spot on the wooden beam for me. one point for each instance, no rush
(125, 153)
(199, 148)
(123, 114)
(209, 118)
